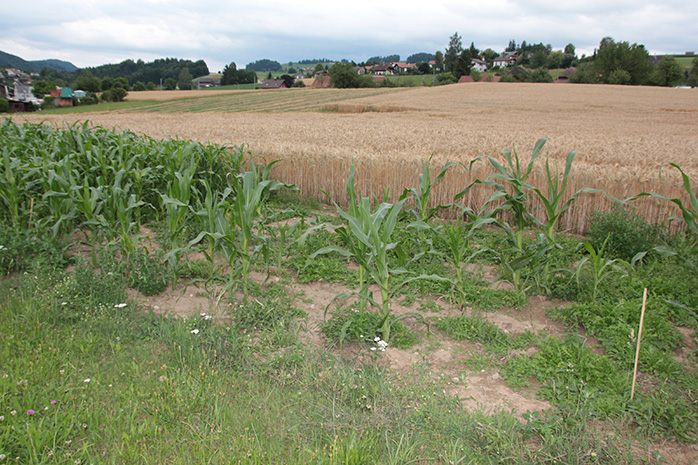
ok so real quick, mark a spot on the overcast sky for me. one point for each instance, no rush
(96, 32)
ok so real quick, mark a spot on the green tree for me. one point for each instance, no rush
(170, 84)
(454, 50)
(41, 88)
(229, 76)
(619, 77)
(489, 55)
(139, 86)
(668, 72)
(4, 105)
(288, 79)
(692, 79)
(554, 60)
(540, 75)
(184, 80)
(463, 65)
(424, 67)
(439, 61)
(585, 74)
(319, 68)
(621, 56)
(538, 59)
(88, 83)
(570, 50)
(115, 94)
(344, 76)
(107, 83)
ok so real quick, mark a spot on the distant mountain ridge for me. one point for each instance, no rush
(7, 59)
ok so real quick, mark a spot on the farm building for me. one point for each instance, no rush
(274, 84)
(63, 97)
(321, 81)
(206, 82)
(564, 77)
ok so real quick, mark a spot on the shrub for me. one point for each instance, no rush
(619, 76)
(29, 249)
(629, 232)
(4, 105)
(446, 78)
(348, 324)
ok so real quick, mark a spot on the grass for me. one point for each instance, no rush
(118, 385)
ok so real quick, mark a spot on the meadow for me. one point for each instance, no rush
(174, 300)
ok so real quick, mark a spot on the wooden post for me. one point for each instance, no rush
(639, 338)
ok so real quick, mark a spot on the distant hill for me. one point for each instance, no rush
(7, 59)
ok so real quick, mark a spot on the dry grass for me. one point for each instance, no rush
(623, 135)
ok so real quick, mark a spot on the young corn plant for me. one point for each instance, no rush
(238, 238)
(373, 231)
(601, 267)
(368, 240)
(213, 224)
(556, 189)
(689, 213)
(285, 231)
(122, 205)
(11, 190)
(89, 201)
(459, 249)
(422, 212)
(176, 204)
(353, 245)
(58, 208)
(516, 200)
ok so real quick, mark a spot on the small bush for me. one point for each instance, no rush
(629, 233)
(349, 324)
(147, 271)
(28, 249)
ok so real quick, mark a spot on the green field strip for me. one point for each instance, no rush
(256, 101)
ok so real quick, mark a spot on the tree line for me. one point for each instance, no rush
(134, 72)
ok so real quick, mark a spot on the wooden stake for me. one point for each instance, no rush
(31, 212)
(639, 337)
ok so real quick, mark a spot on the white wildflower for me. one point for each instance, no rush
(194, 331)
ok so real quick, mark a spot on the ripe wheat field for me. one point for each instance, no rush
(623, 135)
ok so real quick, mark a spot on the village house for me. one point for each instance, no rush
(504, 61)
(274, 84)
(479, 65)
